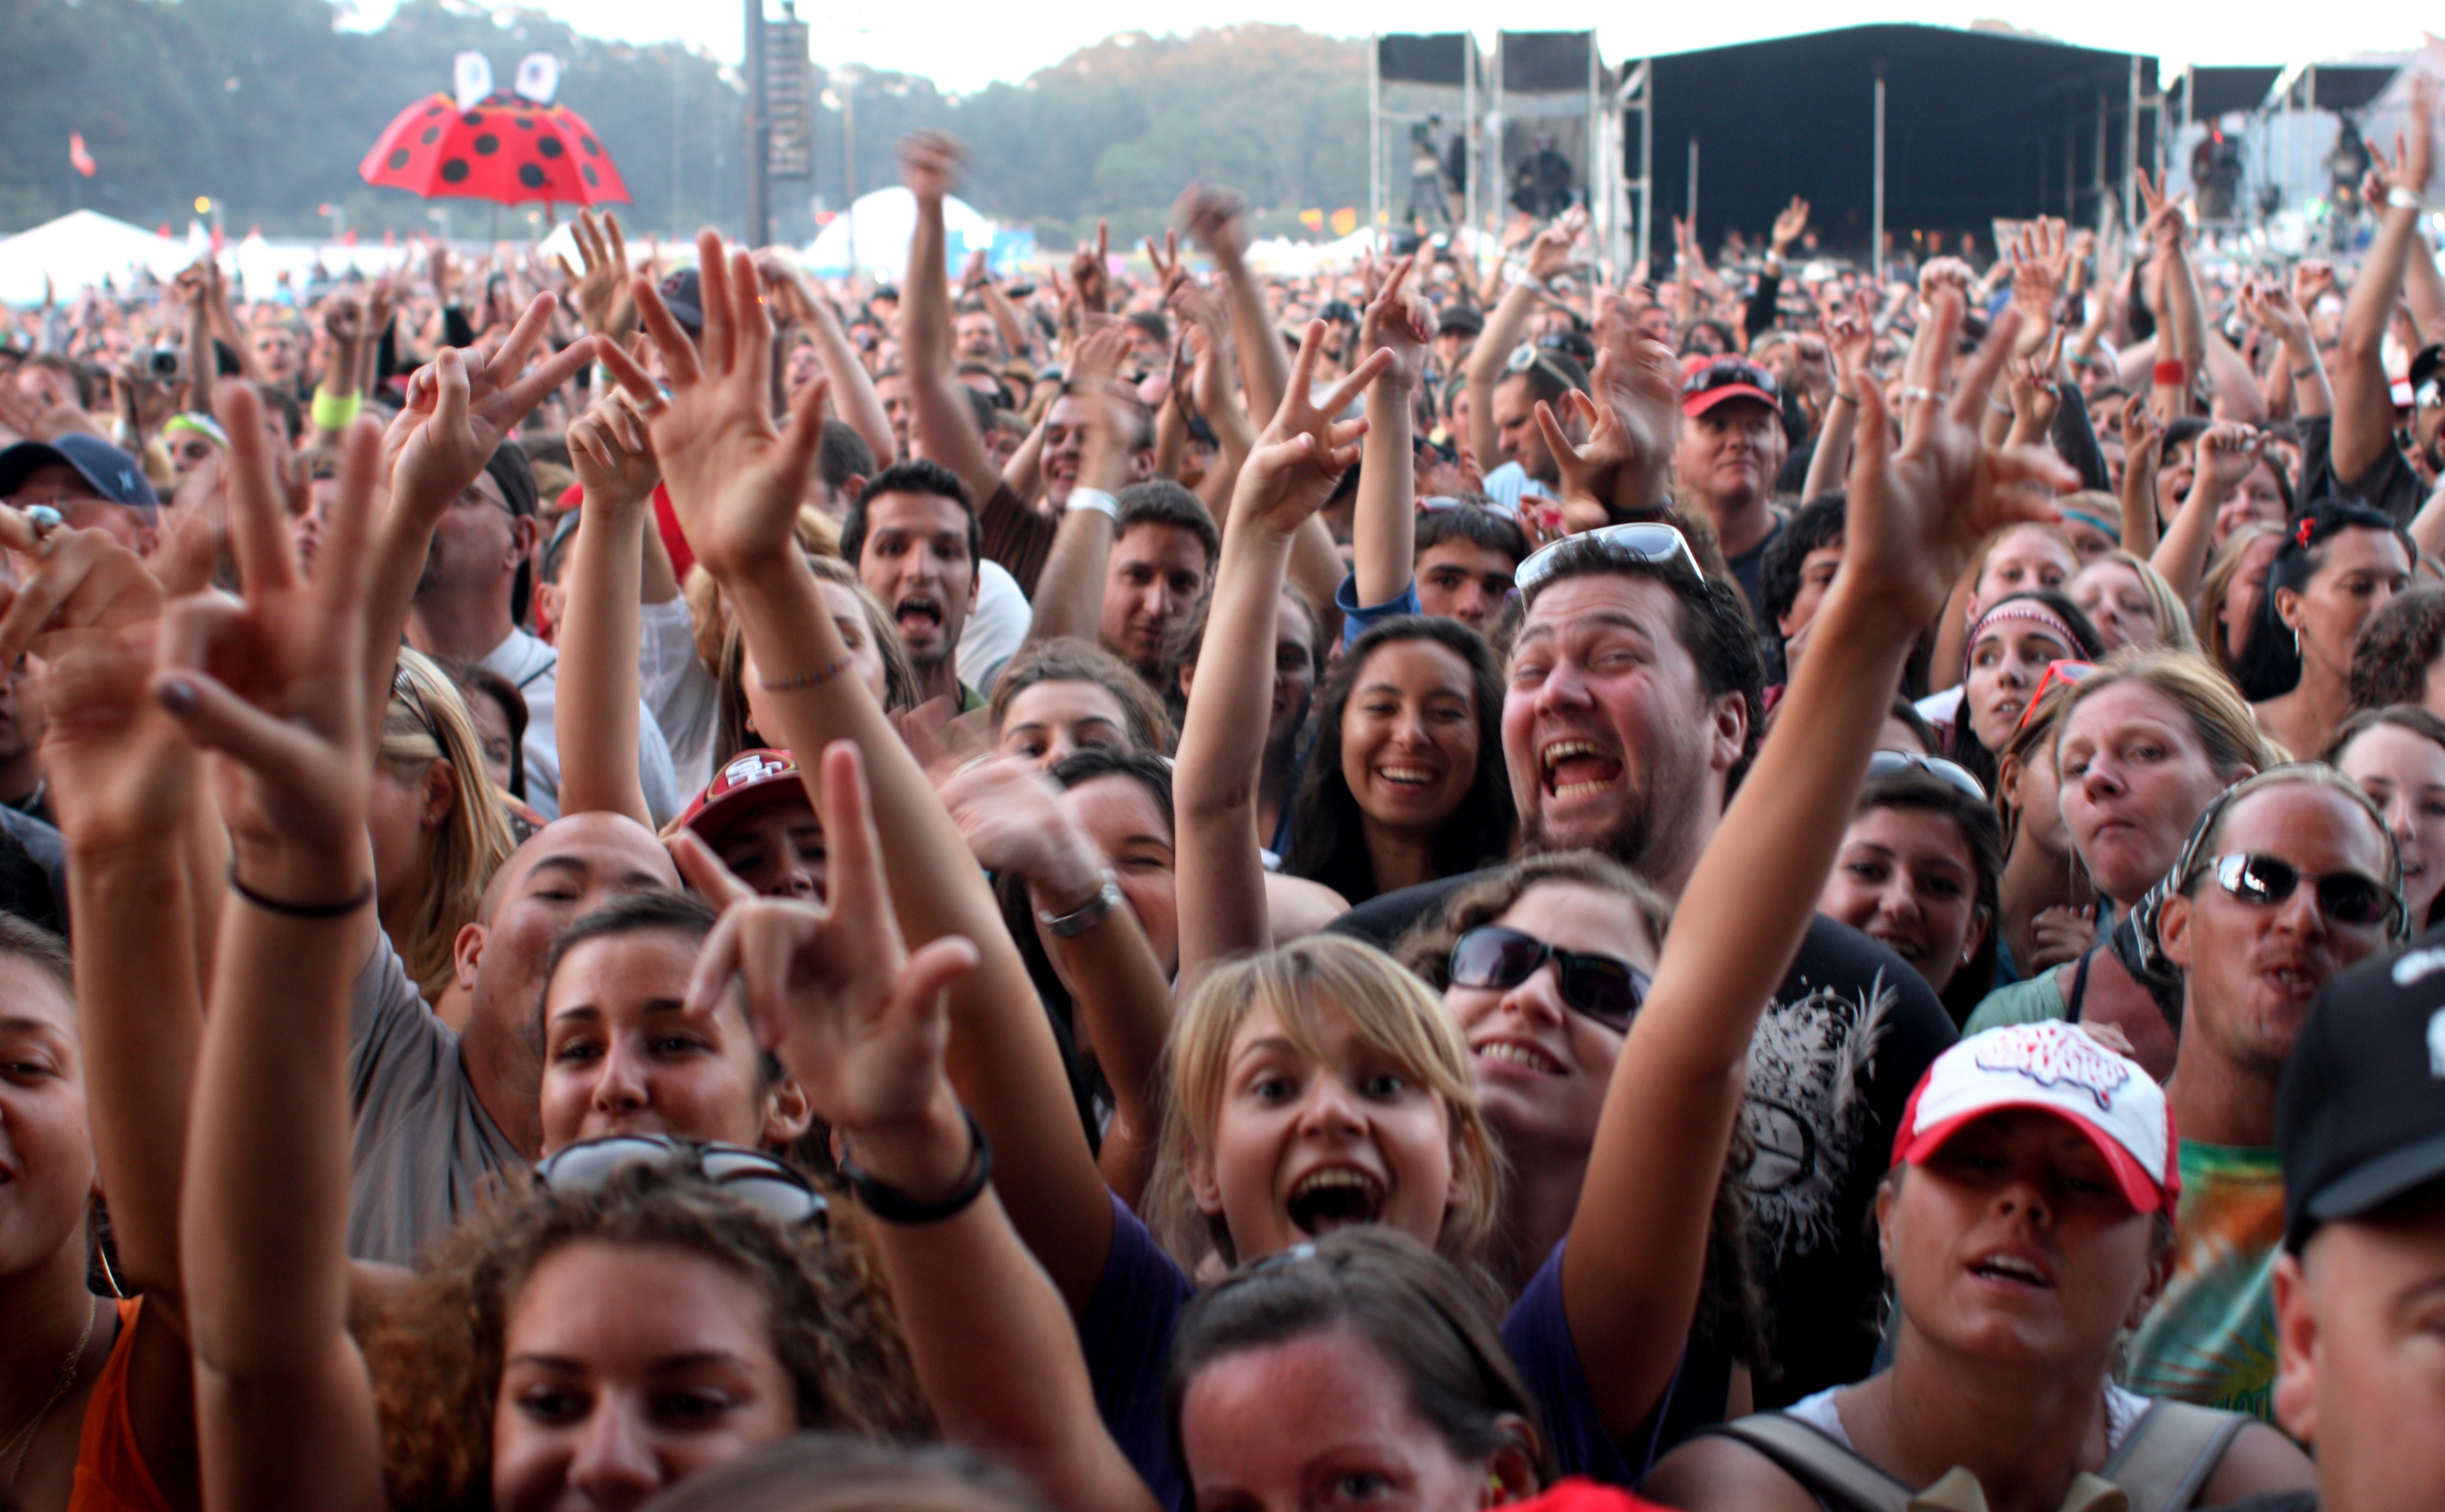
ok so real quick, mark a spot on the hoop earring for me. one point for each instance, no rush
(99, 1220)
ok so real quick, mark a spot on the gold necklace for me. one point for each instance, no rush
(19, 1443)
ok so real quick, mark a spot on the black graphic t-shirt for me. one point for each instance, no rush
(1832, 1065)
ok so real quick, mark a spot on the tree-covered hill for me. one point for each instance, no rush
(268, 105)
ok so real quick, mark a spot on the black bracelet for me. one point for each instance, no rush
(301, 910)
(893, 1206)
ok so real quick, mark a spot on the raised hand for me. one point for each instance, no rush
(2312, 279)
(1917, 513)
(930, 163)
(601, 291)
(1400, 323)
(343, 319)
(2227, 451)
(613, 452)
(1165, 260)
(1206, 324)
(2037, 389)
(1090, 272)
(736, 478)
(1850, 331)
(1790, 225)
(1629, 419)
(2272, 308)
(2040, 267)
(1550, 254)
(1007, 811)
(1939, 275)
(833, 990)
(1304, 451)
(2164, 225)
(275, 683)
(1214, 215)
(458, 411)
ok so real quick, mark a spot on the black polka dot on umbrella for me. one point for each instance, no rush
(531, 175)
(524, 122)
(588, 142)
(398, 158)
(488, 144)
(472, 118)
(454, 171)
(550, 147)
(593, 180)
(431, 135)
(433, 110)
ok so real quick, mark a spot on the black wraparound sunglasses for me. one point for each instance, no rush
(1604, 988)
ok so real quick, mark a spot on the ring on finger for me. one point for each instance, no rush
(46, 523)
(1912, 394)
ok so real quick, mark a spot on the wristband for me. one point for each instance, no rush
(1087, 915)
(2402, 198)
(1096, 500)
(301, 910)
(808, 679)
(1840, 398)
(2302, 375)
(2172, 372)
(893, 1206)
(332, 412)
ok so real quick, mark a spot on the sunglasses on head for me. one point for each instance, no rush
(1885, 764)
(2346, 897)
(764, 1181)
(1525, 358)
(1604, 988)
(1643, 540)
(1725, 371)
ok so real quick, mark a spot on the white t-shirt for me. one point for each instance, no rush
(995, 627)
(684, 697)
(534, 668)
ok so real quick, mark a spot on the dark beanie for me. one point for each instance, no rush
(511, 469)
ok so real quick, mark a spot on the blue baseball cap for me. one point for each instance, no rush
(115, 475)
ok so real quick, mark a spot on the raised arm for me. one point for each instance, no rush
(943, 420)
(285, 1410)
(600, 286)
(1007, 811)
(1302, 455)
(1069, 597)
(1385, 529)
(735, 480)
(123, 780)
(2143, 451)
(2272, 308)
(1632, 1270)
(2226, 454)
(597, 726)
(1549, 256)
(2363, 405)
(853, 395)
(1215, 217)
(1214, 385)
(457, 412)
(861, 1023)
(1620, 469)
(1851, 335)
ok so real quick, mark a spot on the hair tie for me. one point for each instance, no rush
(2302, 532)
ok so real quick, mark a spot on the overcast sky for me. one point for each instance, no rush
(945, 41)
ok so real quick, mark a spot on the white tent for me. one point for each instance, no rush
(880, 223)
(78, 251)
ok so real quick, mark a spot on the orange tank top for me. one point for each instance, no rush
(111, 1475)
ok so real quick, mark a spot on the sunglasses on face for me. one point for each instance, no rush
(764, 1181)
(2346, 897)
(1644, 541)
(2057, 674)
(1604, 988)
(1885, 764)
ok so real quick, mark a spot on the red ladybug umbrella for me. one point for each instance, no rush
(505, 149)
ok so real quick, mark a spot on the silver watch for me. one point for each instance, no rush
(1087, 915)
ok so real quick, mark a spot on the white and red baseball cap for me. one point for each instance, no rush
(747, 783)
(2056, 1067)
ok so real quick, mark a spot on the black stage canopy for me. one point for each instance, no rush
(1977, 125)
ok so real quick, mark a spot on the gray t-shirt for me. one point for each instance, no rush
(422, 1143)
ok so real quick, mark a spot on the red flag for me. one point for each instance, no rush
(79, 158)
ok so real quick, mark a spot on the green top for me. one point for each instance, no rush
(2023, 1002)
(2211, 1338)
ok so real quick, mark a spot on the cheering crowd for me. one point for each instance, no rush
(1443, 885)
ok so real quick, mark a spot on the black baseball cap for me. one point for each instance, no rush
(684, 295)
(115, 475)
(2360, 1114)
(1462, 317)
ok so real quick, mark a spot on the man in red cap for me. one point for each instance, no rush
(758, 818)
(1731, 447)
